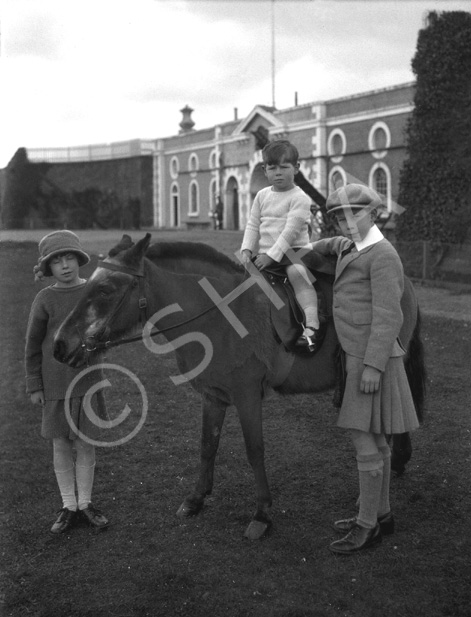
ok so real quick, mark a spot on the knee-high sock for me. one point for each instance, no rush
(370, 471)
(305, 299)
(384, 505)
(305, 293)
(84, 472)
(63, 458)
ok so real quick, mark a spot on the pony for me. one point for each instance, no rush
(217, 319)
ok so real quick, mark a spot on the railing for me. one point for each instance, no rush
(93, 152)
(436, 260)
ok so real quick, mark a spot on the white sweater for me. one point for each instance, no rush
(278, 221)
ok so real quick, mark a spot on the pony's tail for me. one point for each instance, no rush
(414, 365)
(415, 369)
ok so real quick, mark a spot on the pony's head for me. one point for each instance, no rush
(109, 306)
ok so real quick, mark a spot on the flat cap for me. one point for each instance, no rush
(353, 196)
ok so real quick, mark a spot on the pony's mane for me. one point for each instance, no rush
(193, 251)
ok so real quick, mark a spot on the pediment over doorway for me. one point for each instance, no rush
(260, 117)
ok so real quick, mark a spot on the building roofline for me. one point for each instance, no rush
(347, 97)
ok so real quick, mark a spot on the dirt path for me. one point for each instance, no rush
(440, 302)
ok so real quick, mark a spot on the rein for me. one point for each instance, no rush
(138, 279)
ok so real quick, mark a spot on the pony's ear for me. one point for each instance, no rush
(136, 252)
(124, 244)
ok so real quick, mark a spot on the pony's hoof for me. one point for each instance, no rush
(256, 530)
(186, 510)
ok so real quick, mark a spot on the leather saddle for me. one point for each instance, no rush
(287, 321)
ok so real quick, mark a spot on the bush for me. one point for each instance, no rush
(435, 183)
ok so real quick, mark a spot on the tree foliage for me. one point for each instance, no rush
(435, 182)
(22, 181)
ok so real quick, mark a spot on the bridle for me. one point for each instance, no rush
(93, 343)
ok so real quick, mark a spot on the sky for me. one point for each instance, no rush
(100, 71)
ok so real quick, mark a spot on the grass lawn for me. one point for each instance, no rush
(150, 563)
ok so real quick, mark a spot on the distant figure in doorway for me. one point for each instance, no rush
(218, 214)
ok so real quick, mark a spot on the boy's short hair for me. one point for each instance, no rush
(280, 150)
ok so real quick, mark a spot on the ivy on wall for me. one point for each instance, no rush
(435, 181)
(31, 199)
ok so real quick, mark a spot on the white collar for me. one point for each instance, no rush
(372, 237)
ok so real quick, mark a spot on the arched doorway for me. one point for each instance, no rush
(175, 206)
(258, 181)
(232, 205)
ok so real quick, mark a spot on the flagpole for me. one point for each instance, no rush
(273, 53)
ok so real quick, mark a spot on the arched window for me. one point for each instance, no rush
(174, 167)
(193, 163)
(213, 160)
(193, 199)
(337, 178)
(379, 139)
(380, 181)
(337, 145)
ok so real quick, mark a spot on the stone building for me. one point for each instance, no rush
(179, 179)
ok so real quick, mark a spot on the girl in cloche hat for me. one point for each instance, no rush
(47, 381)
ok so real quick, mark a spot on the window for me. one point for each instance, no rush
(193, 162)
(379, 139)
(337, 145)
(193, 200)
(213, 160)
(174, 167)
(337, 178)
(380, 181)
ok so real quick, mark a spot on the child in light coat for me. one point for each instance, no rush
(368, 287)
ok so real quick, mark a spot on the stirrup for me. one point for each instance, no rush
(312, 343)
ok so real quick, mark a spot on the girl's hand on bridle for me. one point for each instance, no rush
(370, 380)
(263, 261)
(37, 398)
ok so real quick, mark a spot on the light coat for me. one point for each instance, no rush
(367, 299)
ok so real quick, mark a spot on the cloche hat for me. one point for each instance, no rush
(353, 196)
(55, 243)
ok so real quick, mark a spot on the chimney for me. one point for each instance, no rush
(295, 99)
(236, 113)
(186, 124)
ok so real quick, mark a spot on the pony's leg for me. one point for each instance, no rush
(214, 411)
(248, 402)
(401, 452)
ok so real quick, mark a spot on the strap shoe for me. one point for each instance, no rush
(66, 519)
(312, 337)
(94, 517)
(358, 539)
(386, 522)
